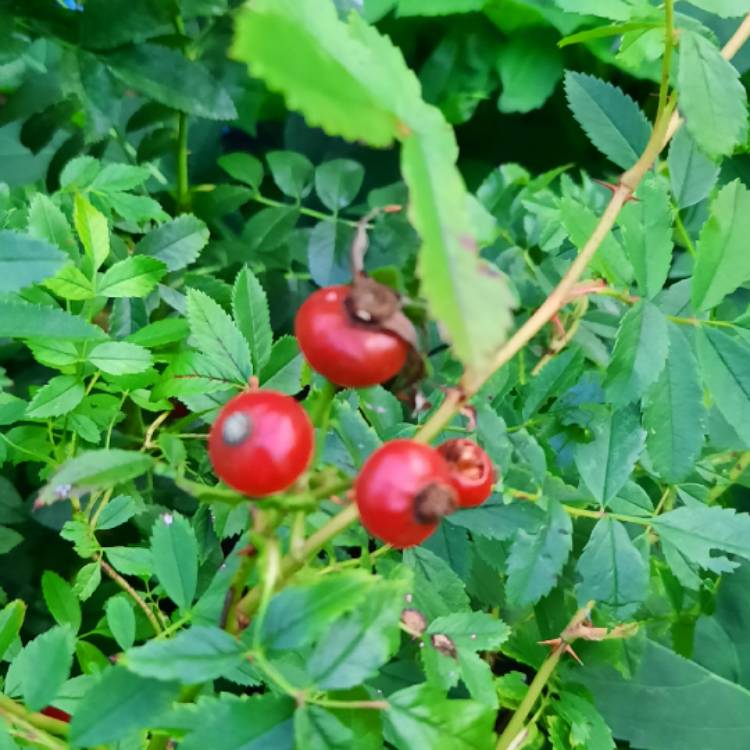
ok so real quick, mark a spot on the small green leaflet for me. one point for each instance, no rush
(612, 570)
(243, 167)
(250, 308)
(691, 172)
(61, 395)
(92, 229)
(71, 283)
(92, 470)
(639, 354)
(723, 263)
(711, 97)
(174, 551)
(120, 358)
(192, 656)
(647, 235)
(121, 620)
(613, 122)
(136, 276)
(61, 601)
(530, 67)
(536, 560)
(337, 182)
(216, 335)
(605, 464)
(723, 360)
(317, 728)
(674, 414)
(25, 261)
(690, 535)
(117, 704)
(48, 222)
(292, 172)
(177, 244)
(42, 667)
(119, 177)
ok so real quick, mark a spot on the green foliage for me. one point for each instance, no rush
(177, 178)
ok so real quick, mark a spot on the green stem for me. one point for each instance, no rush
(599, 514)
(682, 233)
(312, 213)
(321, 409)
(183, 183)
(518, 720)
(666, 66)
(135, 596)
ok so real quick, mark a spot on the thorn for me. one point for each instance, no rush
(559, 644)
(557, 325)
(612, 188)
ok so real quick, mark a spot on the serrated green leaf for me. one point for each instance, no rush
(92, 229)
(215, 334)
(160, 333)
(473, 631)
(25, 260)
(174, 551)
(250, 309)
(9, 539)
(723, 263)
(639, 354)
(299, 614)
(690, 535)
(132, 561)
(610, 261)
(243, 722)
(723, 360)
(120, 358)
(674, 414)
(70, 283)
(121, 620)
(420, 716)
(167, 76)
(691, 172)
(337, 182)
(284, 369)
(87, 580)
(192, 656)
(453, 279)
(60, 396)
(48, 222)
(119, 177)
(328, 249)
(136, 276)
(92, 470)
(587, 727)
(605, 464)
(23, 320)
(42, 667)
(437, 589)
(536, 560)
(118, 703)
(177, 244)
(343, 96)
(116, 512)
(612, 571)
(647, 235)
(613, 122)
(317, 728)
(711, 97)
(61, 601)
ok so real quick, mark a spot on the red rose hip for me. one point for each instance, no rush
(471, 469)
(403, 491)
(348, 351)
(261, 442)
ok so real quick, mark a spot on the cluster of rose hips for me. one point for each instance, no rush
(263, 441)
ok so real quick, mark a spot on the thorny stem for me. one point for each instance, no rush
(183, 183)
(516, 724)
(125, 586)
